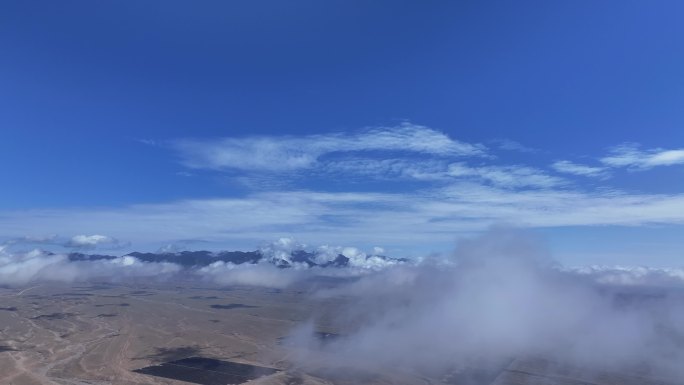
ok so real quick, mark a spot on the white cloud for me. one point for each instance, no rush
(632, 275)
(357, 258)
(500, 296)
(495, 295)
(448, 194)
(91, 241)
(433, 170)
(280, 251)
(506, 176)
(288, 153)
(18, 269)
(418, 153)
(388, 169)
(406, 151)
(21, 268)
(629, 155)
(262, 274)
(402, 220)
(568, 167)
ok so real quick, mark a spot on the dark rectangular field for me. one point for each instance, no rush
(207, 371)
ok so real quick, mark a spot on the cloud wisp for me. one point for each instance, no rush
(627, 155)
(630, 156)
(568, 167)
(506, 176)
(408, 219)
(288, 153)
(404, 152)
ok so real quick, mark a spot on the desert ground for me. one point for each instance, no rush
(102, 333)
(99, 333)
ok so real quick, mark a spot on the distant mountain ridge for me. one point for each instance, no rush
(199, 258)
(202, 258)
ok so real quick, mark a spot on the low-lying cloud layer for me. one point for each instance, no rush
(279, 264)
(17, 269)
(499, 296)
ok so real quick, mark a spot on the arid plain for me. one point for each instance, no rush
(98, 334)
(103, 333)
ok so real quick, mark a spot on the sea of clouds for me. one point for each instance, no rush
(37, 266)
(19, 268)
(497, 296)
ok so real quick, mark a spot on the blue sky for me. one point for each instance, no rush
(399, 124)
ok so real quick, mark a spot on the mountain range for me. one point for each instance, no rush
(204, 258)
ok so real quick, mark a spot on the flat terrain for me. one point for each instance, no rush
(98, 334)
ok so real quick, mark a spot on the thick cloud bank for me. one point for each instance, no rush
(500, 297)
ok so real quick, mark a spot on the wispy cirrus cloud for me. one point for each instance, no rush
(513, 176)
(288, 153)
(388, 169)
(568, 167)
(629, 155)
(404, 152)
(512, 145)
(432, 170)
(405, 186)
(407, 220)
